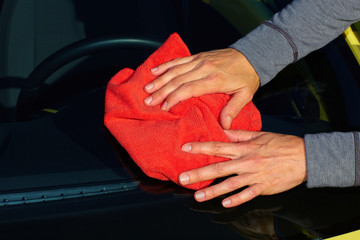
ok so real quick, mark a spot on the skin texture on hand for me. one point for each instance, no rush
(218, 71)
(262, 163)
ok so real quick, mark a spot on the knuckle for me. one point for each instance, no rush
(247, 96)
(245, 196)
(253, 146)
(159, 95)
(174, 83)
(204, 64)
(181, 92)
(172, 98)
(232, 183)
(200, 55)
(187, 89)
(251, 193)
(159, 82)
(175, 61)
(212, 192)
(172, 91)
(216, 147)
(196, 175)
(214, 76)
(218, 168)
(230, 111)
(208, 64)
(167, 66)
(174, 71)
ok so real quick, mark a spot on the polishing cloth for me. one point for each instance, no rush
(153, 137)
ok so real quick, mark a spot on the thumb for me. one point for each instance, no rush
(232, 109)
(241, 135)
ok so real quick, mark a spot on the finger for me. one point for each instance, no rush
(237, 136)
(210, 172)
(226, 186)
(219, 149)
(158, 70)
(232, 109)
(177, 65)
(196, 88)
(244, 196)
(175, 78)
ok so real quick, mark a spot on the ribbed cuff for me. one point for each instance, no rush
(331, 159)
(357, 158)
(267, 49)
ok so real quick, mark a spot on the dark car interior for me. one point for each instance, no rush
(54, 84)
(64, 176)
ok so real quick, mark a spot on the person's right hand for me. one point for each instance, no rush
(218, 71)
(261, 163)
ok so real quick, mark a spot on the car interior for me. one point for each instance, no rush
(56, 57)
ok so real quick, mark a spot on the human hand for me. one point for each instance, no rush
(218, 71)
(262, 163)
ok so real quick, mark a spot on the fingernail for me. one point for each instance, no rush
(154, 69)
(184, 179)
(163, 107)
(186, 147)
(199, 195)
(149, 86)
(148, 100)
(226, 202)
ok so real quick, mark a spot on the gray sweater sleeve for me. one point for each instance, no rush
(332, 159)
(300, 28)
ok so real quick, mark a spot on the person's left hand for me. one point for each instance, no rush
(218, 71)
(262, 163)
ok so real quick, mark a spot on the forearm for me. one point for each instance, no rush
(300, 28)
(333, 159)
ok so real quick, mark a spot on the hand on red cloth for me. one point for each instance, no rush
(261, 163)
(153, 137)
(217, 71)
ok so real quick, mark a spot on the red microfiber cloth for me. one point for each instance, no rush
(153, 137)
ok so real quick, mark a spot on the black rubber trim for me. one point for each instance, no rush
(19, 198)
(357, 159)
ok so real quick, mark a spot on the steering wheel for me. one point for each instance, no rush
(35, 81)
